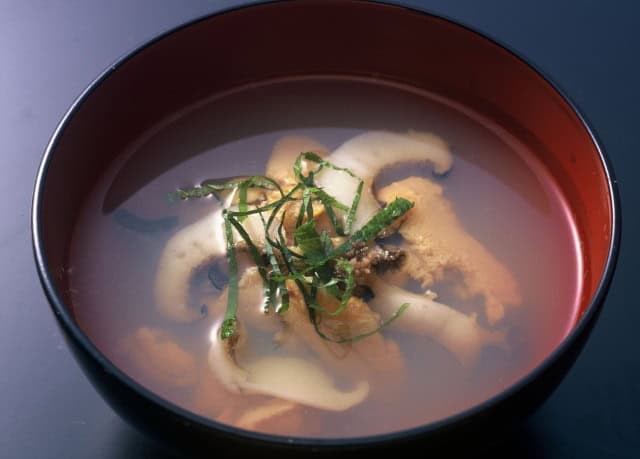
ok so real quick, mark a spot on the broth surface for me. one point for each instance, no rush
(499, 190)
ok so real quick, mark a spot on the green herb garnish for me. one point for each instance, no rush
(229, 321)
(369, 231)
(213, 187)
(316, 265)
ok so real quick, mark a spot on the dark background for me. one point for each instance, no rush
(51, 49)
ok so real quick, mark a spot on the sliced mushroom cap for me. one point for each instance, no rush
(287, 378)
(457, 332)
(284, 154)
(222, 359)
(301, 381)
(367, 154)
(187, 250)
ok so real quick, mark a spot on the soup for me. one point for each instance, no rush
(341, 257)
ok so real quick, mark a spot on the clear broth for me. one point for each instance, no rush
(500, 191)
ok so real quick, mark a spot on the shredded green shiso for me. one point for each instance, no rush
(317, 264)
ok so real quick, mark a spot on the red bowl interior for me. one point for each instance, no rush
(328, 38)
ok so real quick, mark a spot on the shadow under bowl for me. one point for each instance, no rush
(329, 37)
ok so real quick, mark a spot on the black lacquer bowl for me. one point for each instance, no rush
(323, 37)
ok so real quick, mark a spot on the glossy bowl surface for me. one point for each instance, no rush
(319, 37)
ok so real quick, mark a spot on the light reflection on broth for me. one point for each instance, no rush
(498, 191)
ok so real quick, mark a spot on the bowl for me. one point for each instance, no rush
(255, 43)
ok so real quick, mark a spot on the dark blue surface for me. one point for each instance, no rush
(51, 49)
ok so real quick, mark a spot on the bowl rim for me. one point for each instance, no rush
(74, 331)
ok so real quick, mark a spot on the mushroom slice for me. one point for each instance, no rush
(457, 332)
(299, 380)
(287, 378)
(187, 250)
(284, 154)
(222, 358)
(367, 154)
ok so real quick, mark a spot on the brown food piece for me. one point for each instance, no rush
(154, 356)
(371, 355)
(438, 243)
(366, 258)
